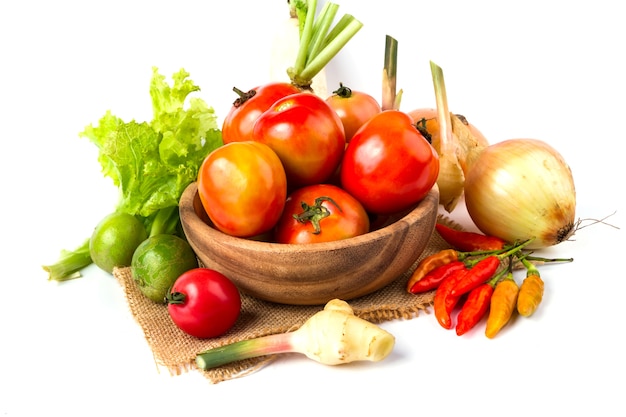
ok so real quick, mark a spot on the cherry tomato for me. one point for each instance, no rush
(388, 165)
(321, 213)
(240, 120)
(306, 134)
(353, 107)
(243, 187)
(204, 303)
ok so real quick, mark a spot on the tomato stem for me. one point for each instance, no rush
(175, 298)
(315, 213)
(343, 91)
(243, 96)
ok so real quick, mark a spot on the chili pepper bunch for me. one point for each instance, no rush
(477, 274)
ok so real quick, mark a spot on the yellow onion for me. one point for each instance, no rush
(522, 188)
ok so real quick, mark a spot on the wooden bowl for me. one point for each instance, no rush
(311, 274)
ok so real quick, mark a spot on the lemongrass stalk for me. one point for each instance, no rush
(70, 264)
(319, 43)
(305, 37)
(332, 336)
(321, 27)
(390, 74)
(245, 349)
(332, 48)
(451, 177)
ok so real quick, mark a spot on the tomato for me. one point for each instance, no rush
(320, 213)
(306, 134)
(426, 120)
(388, 165)
(240, 120)
(243, 187)
(204, 303)
(353, 107)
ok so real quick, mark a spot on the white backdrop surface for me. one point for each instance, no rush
(540, 69)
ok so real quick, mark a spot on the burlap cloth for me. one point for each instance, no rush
(176, 351)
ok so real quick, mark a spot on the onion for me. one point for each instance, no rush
(519, 189)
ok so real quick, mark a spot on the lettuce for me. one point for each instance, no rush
(151, 163)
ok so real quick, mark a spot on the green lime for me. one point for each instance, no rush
(158, 262)
(115, 239)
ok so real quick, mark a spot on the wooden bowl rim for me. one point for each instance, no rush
(189, 216)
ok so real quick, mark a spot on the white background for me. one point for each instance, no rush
(543, 69)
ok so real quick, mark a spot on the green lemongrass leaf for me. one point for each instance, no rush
(305, 37)
(441, 98)
(321, 29)
(320, 41)
(389, 98)
(299, 8)
(330, 50)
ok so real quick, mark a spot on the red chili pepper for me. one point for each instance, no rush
(444, 302)
(476, 305)
(469, 241)
(477, 275)
(474, 308)
(443, 257)
(434, 278)
(483, 270)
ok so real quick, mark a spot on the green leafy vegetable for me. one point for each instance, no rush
(151, 163)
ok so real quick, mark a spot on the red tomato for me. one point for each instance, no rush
(388, 165)
(306, 134)
(353, 107)
(204, 303)
(321, 213)
(240, 120)
(243, 187)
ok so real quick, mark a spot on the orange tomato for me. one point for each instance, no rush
(354, 108)
(243, 188)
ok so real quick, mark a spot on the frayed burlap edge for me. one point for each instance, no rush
(176, 351)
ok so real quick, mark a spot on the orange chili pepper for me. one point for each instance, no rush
(531, 290)
(503, 304)
(530, 295)
(434, 278)
(431, 262)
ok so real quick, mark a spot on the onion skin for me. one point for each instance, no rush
(519, 189)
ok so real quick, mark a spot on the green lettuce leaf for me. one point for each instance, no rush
(152, 163)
